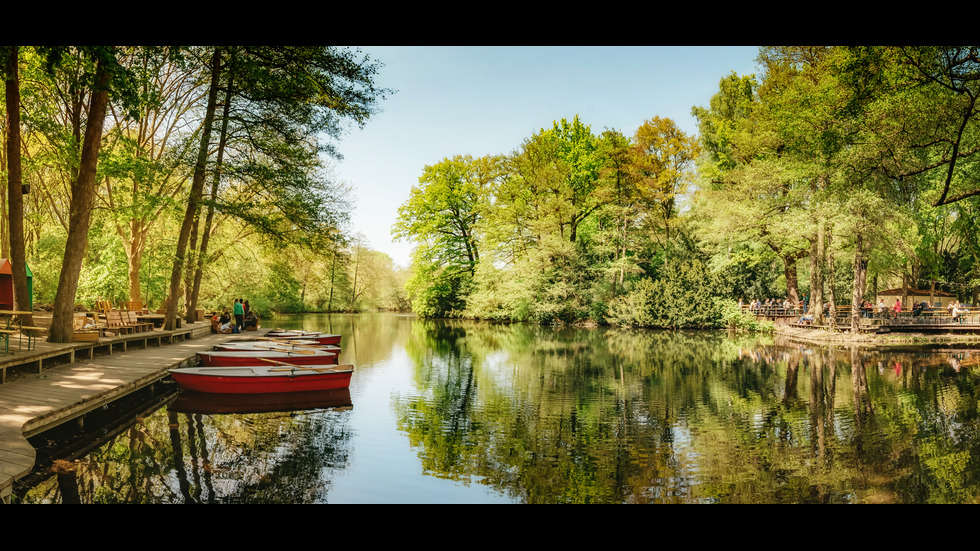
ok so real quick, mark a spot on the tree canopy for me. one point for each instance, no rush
(210, 160)
(831, 172)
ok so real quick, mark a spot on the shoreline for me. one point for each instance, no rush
(824, 336)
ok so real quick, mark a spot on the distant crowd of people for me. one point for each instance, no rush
(956, 309)
(241, 318)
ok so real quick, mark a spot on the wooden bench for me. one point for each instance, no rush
(114, 320)
(30, 332)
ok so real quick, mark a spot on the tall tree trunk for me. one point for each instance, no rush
(816, 274)
(353, 288)
(209, 219)
(80, 210)
(860, 282)
(197, 186)
(15, 196)
(134, 255)
(831, 294)
(792, 280)
(333, 270)
(905, 289)
(191, 264)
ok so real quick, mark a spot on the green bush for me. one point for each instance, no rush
(734, 318)
(681, 296)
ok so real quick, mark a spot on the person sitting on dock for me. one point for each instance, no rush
(228, 327)
(806, 319)
(225, 325)
(882, 309)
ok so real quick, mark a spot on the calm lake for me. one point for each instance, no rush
(464, 412)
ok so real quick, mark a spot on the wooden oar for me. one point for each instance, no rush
(313, 346)
(317, 369)
(272, 349)
(294, 345)
(306, 367)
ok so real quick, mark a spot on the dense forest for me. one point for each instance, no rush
(185, 177)
(835, 172)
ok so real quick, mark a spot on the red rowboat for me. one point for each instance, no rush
(232, 358)
(275, 346)
(262, 379)
(321, 338)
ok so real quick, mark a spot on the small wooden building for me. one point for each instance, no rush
(7, 286)
(940, 299)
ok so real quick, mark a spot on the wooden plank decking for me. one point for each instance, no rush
(51, 395)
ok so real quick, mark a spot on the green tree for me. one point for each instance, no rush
(104, 73)
(194, 197)
(557, 171)
(143, 165)
(286, 101)
(750, 188)
(15, 198)
(664, 157)
(442, 217)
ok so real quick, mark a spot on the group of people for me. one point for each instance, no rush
(882, 309)
(956, 309)
(244, 319)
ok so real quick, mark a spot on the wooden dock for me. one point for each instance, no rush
(66, 381)
(936, 322)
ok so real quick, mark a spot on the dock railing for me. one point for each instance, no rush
(926, 316)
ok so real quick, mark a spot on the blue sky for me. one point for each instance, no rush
(476, 100)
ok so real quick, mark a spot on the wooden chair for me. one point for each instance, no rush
(131, 318)
(114, 320)
(103, 306)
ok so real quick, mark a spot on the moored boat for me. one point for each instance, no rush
(230, 358)
(290, 334)
(276, 377)
(278, 346)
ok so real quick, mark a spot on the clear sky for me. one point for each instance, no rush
(476, 100)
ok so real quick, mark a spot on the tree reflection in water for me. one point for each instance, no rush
(598, 416)
(531, 414)
(180, 456)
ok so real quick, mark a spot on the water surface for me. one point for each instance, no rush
(465, 412)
